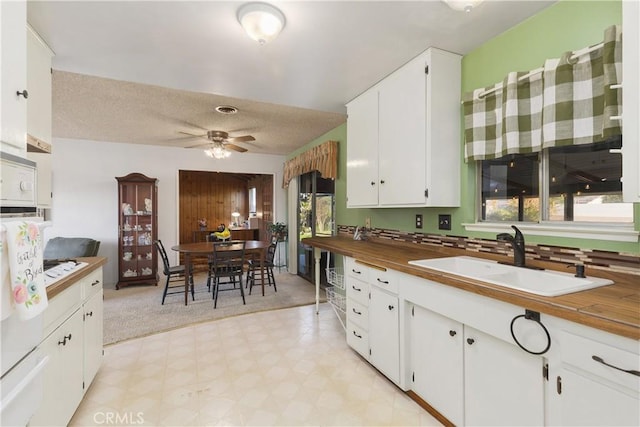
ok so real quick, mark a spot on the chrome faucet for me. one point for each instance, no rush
(518, 245)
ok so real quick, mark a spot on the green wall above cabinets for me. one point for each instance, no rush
(566, 25)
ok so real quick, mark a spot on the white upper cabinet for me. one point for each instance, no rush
(403, 136)
(13, 79)
(630, 101)
(39, 85)
(362, 154)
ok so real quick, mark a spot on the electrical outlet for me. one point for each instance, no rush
(418, 220)
(444, 222)
(367, 222)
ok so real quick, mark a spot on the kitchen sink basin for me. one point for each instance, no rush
(539, 282)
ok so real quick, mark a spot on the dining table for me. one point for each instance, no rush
(190, 250)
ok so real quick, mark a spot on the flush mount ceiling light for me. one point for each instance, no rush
(217, 151)
(261, 21)
(462, 5)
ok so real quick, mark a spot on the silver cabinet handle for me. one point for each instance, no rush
(628, 371)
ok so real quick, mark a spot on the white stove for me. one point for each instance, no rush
(60, 271)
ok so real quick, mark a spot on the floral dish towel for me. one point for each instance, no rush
(24, 248)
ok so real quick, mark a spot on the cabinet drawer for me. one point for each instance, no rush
(61, 307)
(356, 270)
(91, 283)
(357, 291)
(385, 279)
(358, 339)
(358, 313)
(580, 351)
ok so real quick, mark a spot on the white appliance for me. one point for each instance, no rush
(21, 359)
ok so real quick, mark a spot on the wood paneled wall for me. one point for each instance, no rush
(214, 195)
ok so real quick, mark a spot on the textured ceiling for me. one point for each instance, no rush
(289, 91)
(102, 109)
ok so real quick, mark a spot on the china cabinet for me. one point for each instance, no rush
(137, 229)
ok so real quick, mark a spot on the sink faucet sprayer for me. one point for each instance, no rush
(518, 245)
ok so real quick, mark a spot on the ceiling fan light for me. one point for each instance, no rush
(217, 151)
(463, 5)
(261, 21)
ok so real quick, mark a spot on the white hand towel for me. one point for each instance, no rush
(28, 289)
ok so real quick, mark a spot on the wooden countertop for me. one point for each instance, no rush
(614, 308)
(94, 263)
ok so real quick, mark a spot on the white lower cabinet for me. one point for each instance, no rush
(455, 350)
(470, 377)
(93, 336)
(436, 362)
(384, 333)
(62, 378)
(73, 331)
(598, 384)
(503, 385)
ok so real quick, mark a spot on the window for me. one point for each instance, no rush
(580, 183)
(252, 202)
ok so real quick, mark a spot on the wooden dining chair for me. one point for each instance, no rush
(173, 274)
(253, 271)
(227, 267)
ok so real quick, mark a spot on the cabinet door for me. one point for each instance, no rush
(13, 75)
(503, 384)
(402, 136)
(436, 362)
(63, 374)
(591, 402)
(39, 86)
(384, 342)
(362, 150)
(93, 333)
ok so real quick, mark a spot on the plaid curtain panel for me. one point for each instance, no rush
(506, 121)
(575, 91)
(569, 103)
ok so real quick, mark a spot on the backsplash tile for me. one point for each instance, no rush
(598, 259)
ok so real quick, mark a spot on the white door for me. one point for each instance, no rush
(503, 384)
(384, 336)
(402, 136)
(362, 150)
(436, 362)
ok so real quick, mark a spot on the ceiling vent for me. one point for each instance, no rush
(226, 109)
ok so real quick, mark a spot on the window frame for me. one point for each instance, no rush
(621, 232)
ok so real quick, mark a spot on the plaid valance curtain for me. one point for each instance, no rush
(322, 158)
(567, 102)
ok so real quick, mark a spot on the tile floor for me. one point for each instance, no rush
(284, 367)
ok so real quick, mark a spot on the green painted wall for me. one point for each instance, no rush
(567, 25)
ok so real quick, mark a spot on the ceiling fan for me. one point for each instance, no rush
(220, 143)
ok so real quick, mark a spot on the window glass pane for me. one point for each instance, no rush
(510, 189)
(585, 185)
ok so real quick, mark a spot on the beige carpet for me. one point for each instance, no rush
(136, 311)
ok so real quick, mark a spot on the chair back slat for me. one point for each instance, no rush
(163, 255)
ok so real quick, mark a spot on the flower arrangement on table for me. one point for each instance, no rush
(202, 223)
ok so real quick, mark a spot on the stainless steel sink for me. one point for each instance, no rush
(539, 282)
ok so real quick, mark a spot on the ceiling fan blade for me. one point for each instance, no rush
(191, 134)
(235, 148)
(245, 138)
(199, 145)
